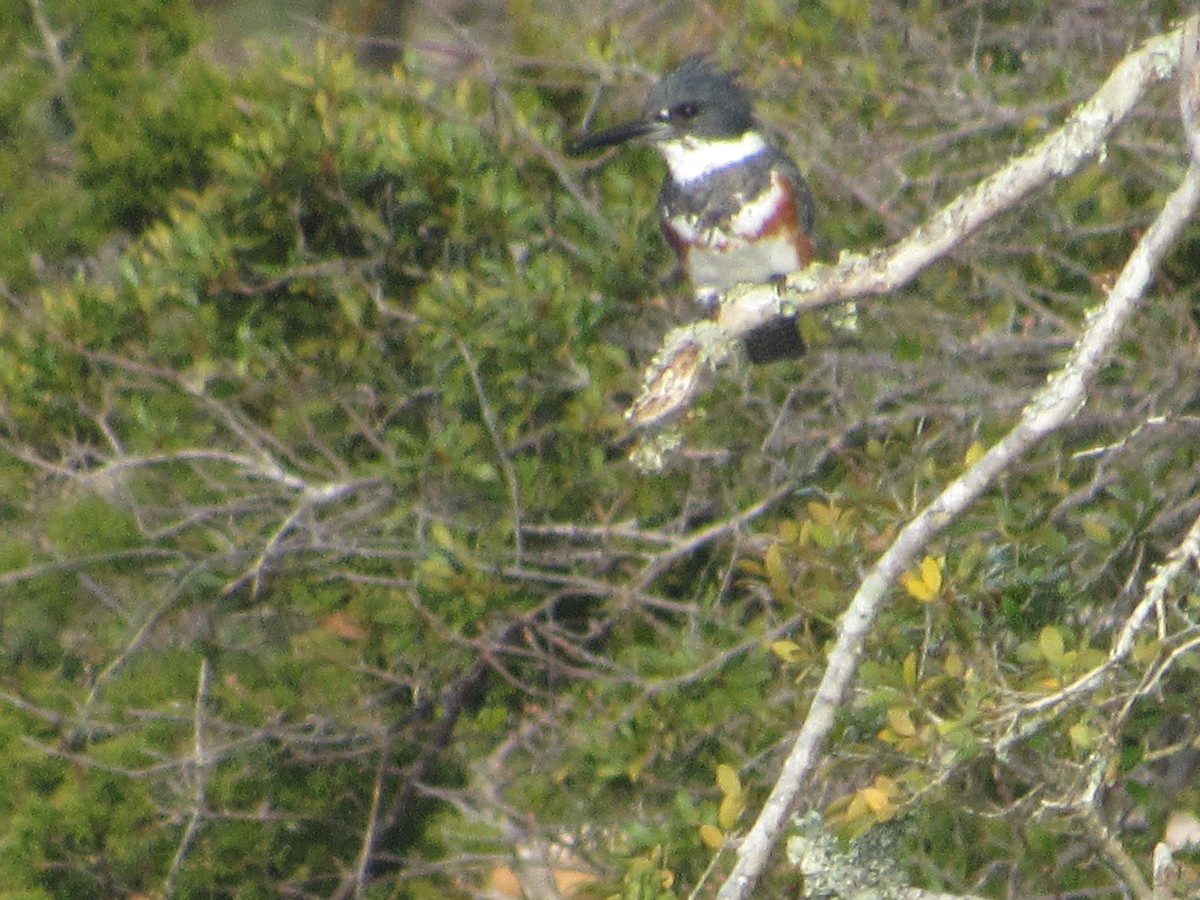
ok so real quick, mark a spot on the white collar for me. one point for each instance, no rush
(690, 158)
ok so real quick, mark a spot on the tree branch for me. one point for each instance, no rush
(200, 767)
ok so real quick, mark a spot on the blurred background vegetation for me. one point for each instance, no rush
(323, 572)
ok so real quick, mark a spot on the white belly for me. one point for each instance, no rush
(715, 268)
(718, 261)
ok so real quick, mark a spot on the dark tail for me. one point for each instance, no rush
(774, 340)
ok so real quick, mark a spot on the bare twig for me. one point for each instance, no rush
(16, 576)
(311, 497)
(178, 591)
(1036, 712)
(1189, 84)
(53, 43)
(252, 467)
(692, 542)
(200, 766)
(362, 871)
(502, 452)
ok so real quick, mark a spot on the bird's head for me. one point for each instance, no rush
(697, 100)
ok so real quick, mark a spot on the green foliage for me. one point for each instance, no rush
(368, 284)
(318, 520)
(142, 131)
(106, 110)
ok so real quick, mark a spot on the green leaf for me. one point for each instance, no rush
(1051, 644)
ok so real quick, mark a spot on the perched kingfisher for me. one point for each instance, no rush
(734, 207)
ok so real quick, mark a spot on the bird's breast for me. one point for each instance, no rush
(760, 240)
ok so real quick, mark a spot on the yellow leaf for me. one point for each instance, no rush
(858, 807)
(880, 798)
(823, 514)
(915, 586)
(901, 722)
(887, 785)
(441, 535)
(910, 670)
(728, 780)
(788, 651)
(877, 801)
(931, 573)
(634, 770)
(805, 535)
(729, 810)
(777, 575)
(711, 836)
(974, 454)
(924, 582)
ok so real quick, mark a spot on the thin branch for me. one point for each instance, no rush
(362, 872)
(718, 662)
(1116, 855)
(53, 44)
(16, 576)
(1032, 716)
(502, 452)
(179, 590)
(576, 532)
(264, 468)
(1189, 84)
(310, 499)
(692, 542)
(200, 767)
(1048, 410)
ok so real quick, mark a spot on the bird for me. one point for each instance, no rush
(733, 207)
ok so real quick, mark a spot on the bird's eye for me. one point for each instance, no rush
(685, 110)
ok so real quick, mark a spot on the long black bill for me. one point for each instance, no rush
(618, 134)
